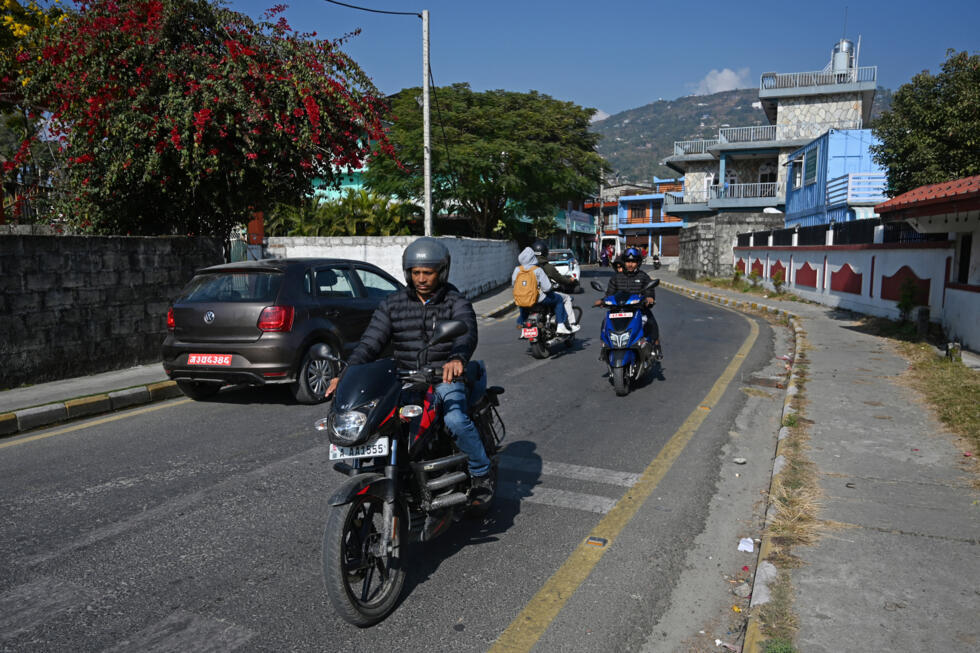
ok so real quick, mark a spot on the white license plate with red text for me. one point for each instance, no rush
(209, 359)
(617, 315)
(529, 332)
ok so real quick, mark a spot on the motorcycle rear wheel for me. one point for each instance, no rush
(620, 382)
(363, 588)
(539, 349)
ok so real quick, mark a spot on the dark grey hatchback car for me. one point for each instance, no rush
(256, 322)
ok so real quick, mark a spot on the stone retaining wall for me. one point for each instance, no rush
(77, 305)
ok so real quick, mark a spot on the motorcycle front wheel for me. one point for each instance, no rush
(363, 587)
(620, 382)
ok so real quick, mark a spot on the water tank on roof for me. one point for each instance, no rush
(842, 59)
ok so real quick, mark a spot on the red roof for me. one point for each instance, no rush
(947, 191)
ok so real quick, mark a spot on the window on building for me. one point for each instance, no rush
(767, 173)
(731, 177)
(810, 166)
(796, 172)
(638, 212)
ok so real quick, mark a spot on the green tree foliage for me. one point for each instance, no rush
(179, 116)
(494, 154)
(355, 213)
(932, 132)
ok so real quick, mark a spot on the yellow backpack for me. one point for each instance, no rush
(526, 287)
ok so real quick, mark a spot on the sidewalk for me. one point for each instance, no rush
(896, 561)
(31, 407)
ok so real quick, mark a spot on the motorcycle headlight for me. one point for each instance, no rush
(347, 426)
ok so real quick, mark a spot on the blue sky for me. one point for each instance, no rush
(618, 54)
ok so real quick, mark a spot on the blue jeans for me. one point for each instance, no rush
(454, 402)
(550, 299)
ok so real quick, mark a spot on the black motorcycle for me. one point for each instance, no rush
(408, 481)
(540, 329)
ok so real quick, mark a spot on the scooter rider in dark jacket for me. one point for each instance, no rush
(633, 281)
(406, 319)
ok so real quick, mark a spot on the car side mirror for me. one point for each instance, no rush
(446, 331)
(596, 286)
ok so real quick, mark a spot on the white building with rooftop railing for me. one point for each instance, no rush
(737, 182)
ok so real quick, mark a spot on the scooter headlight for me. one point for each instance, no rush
(347, 426)
(620, 340)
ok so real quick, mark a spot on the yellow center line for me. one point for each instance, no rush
(528, 627)
(78, 427)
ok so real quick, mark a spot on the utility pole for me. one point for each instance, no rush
(426, 140)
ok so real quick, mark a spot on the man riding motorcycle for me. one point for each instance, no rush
(406, 319)
(560, 280)
(632, 280)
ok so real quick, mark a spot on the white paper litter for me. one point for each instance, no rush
(746, 544)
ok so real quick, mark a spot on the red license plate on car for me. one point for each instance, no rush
(209, 359)
(531, 332)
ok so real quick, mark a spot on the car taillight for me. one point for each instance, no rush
(171, 322)
(276, 318)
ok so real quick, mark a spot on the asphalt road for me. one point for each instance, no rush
(196, 526)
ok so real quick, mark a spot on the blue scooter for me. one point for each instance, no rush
(625, 349)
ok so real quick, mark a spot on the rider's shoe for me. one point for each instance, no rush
(564, 330)
(574, 327)
(658, 351)
(481, 489)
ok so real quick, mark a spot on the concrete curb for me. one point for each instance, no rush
(500, 310)
(765, 572)
(34, 417)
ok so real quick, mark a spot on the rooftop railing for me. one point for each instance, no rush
(693, 147)
(689, 197)
(774, 81)
(793, 131)
(857, 188)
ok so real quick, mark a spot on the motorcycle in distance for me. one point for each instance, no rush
(540, 329)
(656, 261)
(624, 348)
(408, 481)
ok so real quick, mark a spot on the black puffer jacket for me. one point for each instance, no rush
(407, 323)
(631, 283)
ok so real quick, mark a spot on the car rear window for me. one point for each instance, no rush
(559, 256)
(232, 287)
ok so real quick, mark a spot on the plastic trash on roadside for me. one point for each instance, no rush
(746, 544)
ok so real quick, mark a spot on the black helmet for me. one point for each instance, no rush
(426, 253)
(540, 248)
(632, 254)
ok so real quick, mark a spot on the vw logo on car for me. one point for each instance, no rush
(209, 317)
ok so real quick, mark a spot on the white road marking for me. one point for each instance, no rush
(26, 606)
(565, 470)
(188, 633)
(525, 492)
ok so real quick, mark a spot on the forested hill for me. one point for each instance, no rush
(636, 140)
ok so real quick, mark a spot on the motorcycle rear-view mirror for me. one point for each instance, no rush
(322, 352)
(596, 285)
(446, 331)
(653, 284)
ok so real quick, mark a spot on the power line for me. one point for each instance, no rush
(445, 141)
(375, 11)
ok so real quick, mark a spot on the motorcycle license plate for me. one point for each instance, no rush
(531, 332)
(615, 315)
(377, 447)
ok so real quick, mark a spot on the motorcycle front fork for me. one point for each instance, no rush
(389, 517)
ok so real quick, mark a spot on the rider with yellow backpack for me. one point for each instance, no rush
(532, 286)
